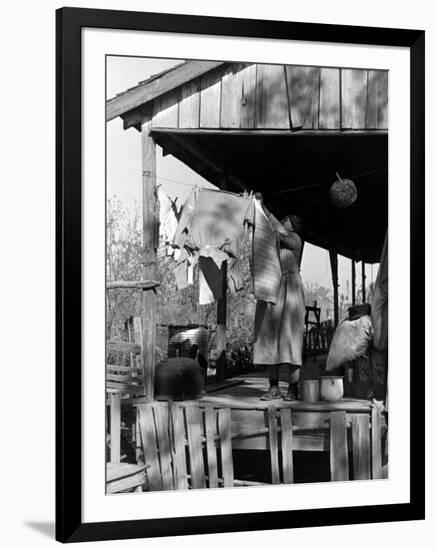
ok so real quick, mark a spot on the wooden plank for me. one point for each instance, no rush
(271, 97)
(181, 472)
(120, 387)
(150, 209)
(353, 97)
(273, 444)
(123, 477)
(231, 97)
(329, 99)
(160, 411)
(166, 110)
(123, 378)
(115, 346)
(121, 368)
(238, 91)
(193, 423)
(287, 445)
(156, 86)
(303, 89)
(265, 132)
(377, 110)
(338, 447)
(224, 426)
(210, 433)
(361, 446)
(149, 446)
(376, 439)
(140, 285)
(210, 99)
(115, 428)
(189, 106)
(248, 99)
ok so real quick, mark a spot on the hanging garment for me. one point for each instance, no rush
(266, 268)
(379, 308)
(168, 220)
(213, 226)
(279, 327)
(205, 294)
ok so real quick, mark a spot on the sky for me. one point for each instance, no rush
(175, 178)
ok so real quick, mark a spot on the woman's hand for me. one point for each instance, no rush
(259, 197)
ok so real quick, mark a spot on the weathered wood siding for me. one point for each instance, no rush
(280, 97)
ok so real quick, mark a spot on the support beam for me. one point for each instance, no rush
(353, 282)
(334, 268)
(150, 206)
(363, 283)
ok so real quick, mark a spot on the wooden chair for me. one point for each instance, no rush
(186, 446)
(123, 380)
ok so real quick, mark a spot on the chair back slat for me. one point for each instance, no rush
(164, 445)
(210, 428)
(338, 446)
(273, 443)
(224, 427)
(193, 424)
(287, 445)
(178, 423)
(150, 447)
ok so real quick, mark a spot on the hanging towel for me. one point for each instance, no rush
(266, 271)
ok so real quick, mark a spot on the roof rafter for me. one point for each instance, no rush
(156, 85)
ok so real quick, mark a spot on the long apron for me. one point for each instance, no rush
(279, 328)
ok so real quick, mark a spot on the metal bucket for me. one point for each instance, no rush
(332, 388)
(188, 341)
(309, 390)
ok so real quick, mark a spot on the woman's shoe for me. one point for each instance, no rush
(273, 393)
(292, 393)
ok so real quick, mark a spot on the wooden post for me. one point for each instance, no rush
(353, 282)
(150, 209)
(334, 268)
(115, 427)
(363, 283)
(221, 321)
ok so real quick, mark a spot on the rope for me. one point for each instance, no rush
(304, 187)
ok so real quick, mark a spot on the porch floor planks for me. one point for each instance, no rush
(247, 396)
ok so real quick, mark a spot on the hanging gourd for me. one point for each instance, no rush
(343, 192)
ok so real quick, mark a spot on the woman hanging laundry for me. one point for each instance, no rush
(279, 327)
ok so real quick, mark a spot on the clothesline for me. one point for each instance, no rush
(305, 187)
(290, 190)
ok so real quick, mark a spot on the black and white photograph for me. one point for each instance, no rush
(246, 274)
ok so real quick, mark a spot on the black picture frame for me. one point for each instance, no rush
(69, 525)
